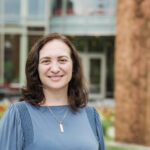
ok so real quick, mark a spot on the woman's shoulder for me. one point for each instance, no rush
(20, 103)
(10, 115)
(18, 110)
(92, 113)
(91, 109)
(12, 109)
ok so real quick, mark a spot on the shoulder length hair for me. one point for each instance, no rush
(33, 92)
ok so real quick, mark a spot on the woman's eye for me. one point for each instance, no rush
(45, 61)
(62, 60)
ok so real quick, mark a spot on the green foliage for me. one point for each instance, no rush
(117, 148)
(1, 114)
(106, 123)
(107, 118)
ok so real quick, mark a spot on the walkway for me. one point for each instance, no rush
(124, 145)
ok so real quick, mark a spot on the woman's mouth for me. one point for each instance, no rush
(55, 77)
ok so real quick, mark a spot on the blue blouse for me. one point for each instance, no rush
(45, 130)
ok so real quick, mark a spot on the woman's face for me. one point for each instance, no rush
(55, 65)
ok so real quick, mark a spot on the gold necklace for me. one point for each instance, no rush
(60, 122)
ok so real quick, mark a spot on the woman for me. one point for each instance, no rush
(53, 113)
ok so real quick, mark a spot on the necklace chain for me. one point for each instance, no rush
(61, 121)
(56, 117)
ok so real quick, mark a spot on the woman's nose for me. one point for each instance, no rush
(55, 68)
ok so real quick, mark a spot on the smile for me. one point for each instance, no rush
(55, 77)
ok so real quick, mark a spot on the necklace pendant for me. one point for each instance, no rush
(61, 128)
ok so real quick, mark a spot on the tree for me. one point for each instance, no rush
(132, 72)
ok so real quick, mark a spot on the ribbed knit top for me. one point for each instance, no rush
(37, 129)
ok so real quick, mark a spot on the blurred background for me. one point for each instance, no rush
(89, 24)
(92, 27)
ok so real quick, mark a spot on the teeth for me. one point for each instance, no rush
(55, 77)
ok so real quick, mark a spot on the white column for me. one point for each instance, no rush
(24, 4)
(23, 57)
(23, 43)
(85, 65)
(2, 41)
(47, 16)
(2, 59)
(103, 75)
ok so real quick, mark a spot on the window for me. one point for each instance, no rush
(79, 42)
(69, 7)
(36, 8)
(95, 75)
(11, 59)
(76, 7)
(1, 7)
(98, 7)
(57, 8)
(95, 44)
(12, 7)
(12, 11)
(32, 39)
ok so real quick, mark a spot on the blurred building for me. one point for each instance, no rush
(89, 24)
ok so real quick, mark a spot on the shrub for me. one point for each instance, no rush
(107, 118)
(2, 110)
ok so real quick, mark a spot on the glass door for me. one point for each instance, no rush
(95, 75)
(94, 67)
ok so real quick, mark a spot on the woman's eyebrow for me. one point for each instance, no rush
(63, 57)
(45, 58)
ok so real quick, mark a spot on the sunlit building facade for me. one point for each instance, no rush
(89, 24)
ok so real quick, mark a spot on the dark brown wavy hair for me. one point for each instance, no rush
(33, 92)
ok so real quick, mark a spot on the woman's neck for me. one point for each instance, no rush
(55, 97)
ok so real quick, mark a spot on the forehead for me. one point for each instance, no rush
(55, 48)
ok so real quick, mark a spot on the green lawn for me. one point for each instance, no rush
(116, 148)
